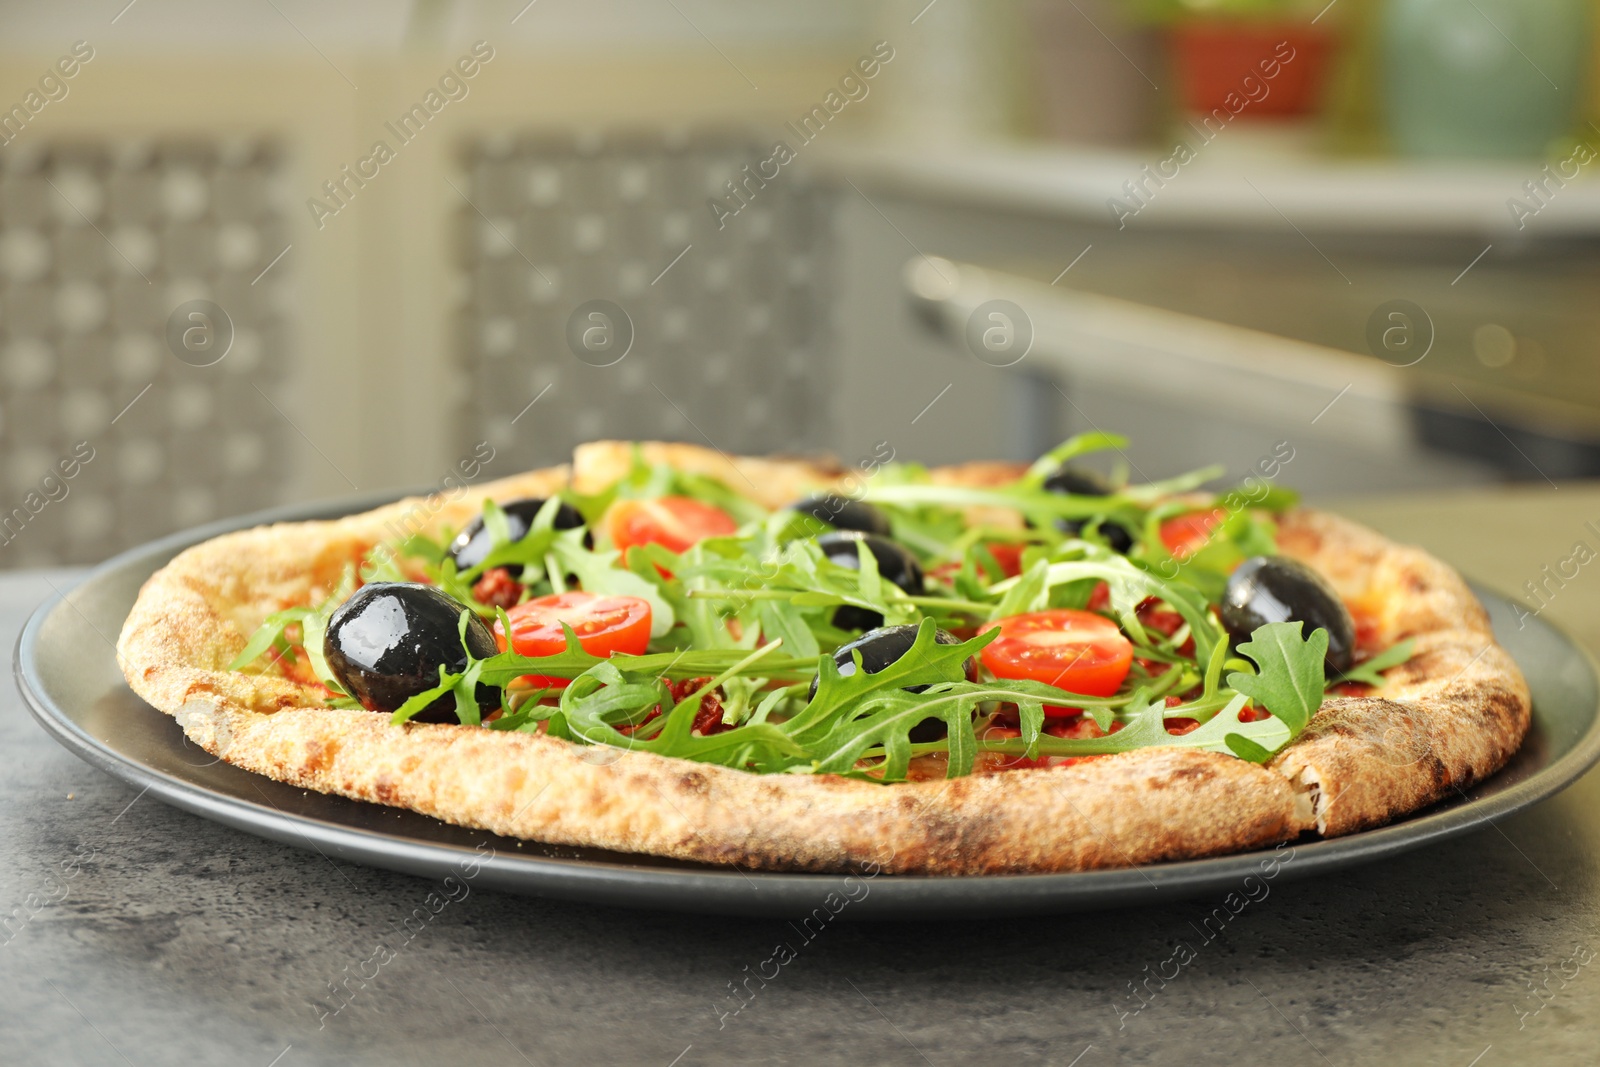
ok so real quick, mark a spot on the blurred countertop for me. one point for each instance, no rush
(181, 940)
(1246, 178)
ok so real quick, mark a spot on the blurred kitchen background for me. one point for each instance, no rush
(1369, 228)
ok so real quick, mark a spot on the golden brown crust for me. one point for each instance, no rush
(193, 616)
(1448, 718)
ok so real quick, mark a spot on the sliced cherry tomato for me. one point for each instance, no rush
(1187, 534)
(604, 625)
(1078, 651)
(675, 522)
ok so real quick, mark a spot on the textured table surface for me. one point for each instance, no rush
(134, 933)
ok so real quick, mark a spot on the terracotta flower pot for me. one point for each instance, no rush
(1285, 63)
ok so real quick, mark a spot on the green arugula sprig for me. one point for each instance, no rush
(1369, 672)
(313, 623)
(751, 614)
(857, 724)
(910, 495)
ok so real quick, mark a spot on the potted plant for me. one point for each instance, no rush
(1272, 55)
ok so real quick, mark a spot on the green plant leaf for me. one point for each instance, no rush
(1071, 448)
(267, 634)
(879, 725)
(1370, 672)
(598, 572)
(1290, 674)
(313, 622)
(925, 663)
(1030, 593)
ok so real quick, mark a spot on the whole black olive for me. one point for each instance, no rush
(895, 564)
(387, 642)
(841, 513)
(879, 648)
(473, 543)
(1277, 589)
(1079, 482)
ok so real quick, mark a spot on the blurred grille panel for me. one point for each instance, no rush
(731, 324)
(99, 244)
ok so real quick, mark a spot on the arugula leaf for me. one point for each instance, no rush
(1369, 672)
(1073, 447)
(1144, 726)
(1290, 681)
(599, 704)
(313, 628)
(598, 573)
(868, 583)
(881, 722)
(1030, 593)
(925, 663)
(463, 687)
(1255, 741)
(644, 481)
(784, 620)
(383, 565)
(1129, 586)
(722, 609)
(268, 634)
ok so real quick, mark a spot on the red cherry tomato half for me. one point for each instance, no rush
(675, 522)
(604, 625)
(1078, 651)
(1188, 534)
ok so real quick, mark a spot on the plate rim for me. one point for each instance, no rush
(642, 884)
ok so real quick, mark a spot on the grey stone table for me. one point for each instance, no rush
(137, 934)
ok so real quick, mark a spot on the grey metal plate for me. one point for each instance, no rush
(67, 672)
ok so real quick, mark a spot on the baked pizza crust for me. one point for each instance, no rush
(1447, 719)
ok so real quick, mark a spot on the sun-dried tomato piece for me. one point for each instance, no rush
(497, 589)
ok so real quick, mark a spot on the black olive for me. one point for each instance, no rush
(879, 648)
(1079, 482)
(1277, 589)
(473, 543)
(895, 564)
(842, 513)
(387, 642)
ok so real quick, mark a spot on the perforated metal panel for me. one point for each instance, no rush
(731, 324)
(99, 243)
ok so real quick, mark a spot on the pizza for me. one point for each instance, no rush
(792, 664)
